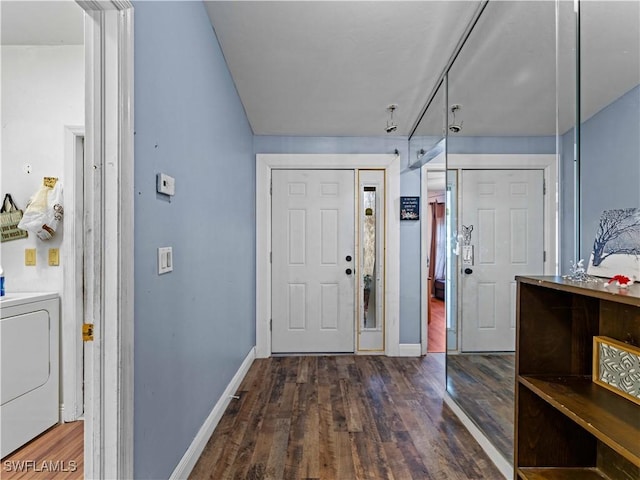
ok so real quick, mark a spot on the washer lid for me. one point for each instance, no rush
(13, 299)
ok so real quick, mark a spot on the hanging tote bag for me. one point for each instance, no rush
(10, 217)
(44, 211)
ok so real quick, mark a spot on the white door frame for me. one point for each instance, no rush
(264, 164)
(108, 241)
(546, 162)
(72, 290)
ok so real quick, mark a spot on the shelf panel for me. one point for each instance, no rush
(611, 418)
(537, 473)
(628, 296)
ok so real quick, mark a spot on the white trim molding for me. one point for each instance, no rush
(501, 463)
(410, 350)
(267, 162)
(108, 242)
(72, 263)
(191, 456)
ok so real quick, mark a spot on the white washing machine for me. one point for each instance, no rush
(29, 367)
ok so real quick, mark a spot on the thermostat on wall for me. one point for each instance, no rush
(165, 184)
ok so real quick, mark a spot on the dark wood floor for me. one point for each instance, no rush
(483, 386)
(344, 417)
(57, 454)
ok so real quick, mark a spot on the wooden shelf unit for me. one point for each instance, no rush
(566, 426)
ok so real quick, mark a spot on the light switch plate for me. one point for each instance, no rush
(165, 260)
(30, 257)
(54, 257)
(165, 184)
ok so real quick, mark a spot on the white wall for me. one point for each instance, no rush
(42, 92)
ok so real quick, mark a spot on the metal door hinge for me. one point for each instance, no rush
(271, 187)
(270, 257)
(271, 324)
(544, 186)
(87, 332)
(544, 256)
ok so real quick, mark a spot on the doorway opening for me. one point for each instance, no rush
(436, 248)
(433, 255)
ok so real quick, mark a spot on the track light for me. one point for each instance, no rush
(391, 125)
(453, 126)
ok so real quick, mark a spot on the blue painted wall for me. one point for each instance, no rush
(610, 162)
(500, 145)
(567, 192)
(610, 171)
(409, 186)
(194, 326)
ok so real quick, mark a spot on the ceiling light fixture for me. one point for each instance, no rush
(391, 126)
(453, 126)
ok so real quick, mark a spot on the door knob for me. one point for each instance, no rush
(348, 258)
(468, 271)
(348, 271)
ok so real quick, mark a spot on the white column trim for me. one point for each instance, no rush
(109, 238)
(72, 264)
(264, 164)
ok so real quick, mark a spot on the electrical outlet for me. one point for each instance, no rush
(30, 257)
(54, 257)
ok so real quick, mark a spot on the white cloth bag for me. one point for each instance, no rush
(44, 212)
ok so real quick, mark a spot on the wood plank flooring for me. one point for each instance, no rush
(483, 385)
(437, 327)
(57, 454)
(342, 418)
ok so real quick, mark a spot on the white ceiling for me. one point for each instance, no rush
(505, 78)
(41, 23)
(332, 68)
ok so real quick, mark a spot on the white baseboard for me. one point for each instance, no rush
(194, 451)
(409, 350)
(501, 463)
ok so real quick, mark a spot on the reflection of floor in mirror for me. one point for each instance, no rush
(482, 384)
(437, 330)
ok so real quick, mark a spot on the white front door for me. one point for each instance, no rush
(503, 210)
(313, 261)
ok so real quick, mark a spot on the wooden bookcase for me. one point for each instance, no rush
(566, 426)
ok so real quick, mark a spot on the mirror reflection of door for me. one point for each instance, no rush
(502, 211)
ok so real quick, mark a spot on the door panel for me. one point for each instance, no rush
(312, 234)
(506, 210)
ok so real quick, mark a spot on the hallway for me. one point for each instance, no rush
(437, 326)
(343, 417)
